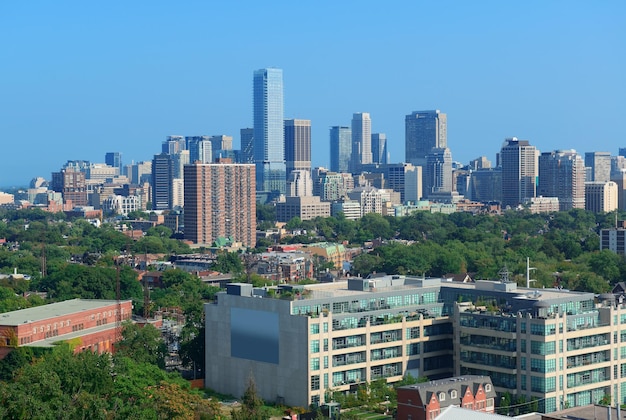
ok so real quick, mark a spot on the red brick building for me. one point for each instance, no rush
(426, 401)
(87, 324)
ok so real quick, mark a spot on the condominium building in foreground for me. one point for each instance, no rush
(300, 343)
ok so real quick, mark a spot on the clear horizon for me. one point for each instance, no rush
(82, 79)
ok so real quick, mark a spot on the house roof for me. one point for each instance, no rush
(446, 386)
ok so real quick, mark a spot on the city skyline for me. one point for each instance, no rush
(84, 81)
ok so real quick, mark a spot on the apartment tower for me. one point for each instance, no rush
(361, 141)
(220, 202)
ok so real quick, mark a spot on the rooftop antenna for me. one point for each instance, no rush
(528, 268)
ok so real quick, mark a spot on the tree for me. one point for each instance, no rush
(251, 404)
(143, 344)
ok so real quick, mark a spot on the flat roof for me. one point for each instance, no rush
(53, 310)
(53, 341)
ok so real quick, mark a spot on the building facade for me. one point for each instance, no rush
(560, 347)
(599, 164)
(269, 150)
(424, 130)
(162, 176)
(518, 161)
(304, 207)
(438, 172)
(89, 324)
(220, 202)
(340, 148)
(562, 175)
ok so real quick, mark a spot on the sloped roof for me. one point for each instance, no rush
(458, 384)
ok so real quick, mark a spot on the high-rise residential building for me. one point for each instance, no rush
(173, 144)
(424, 130)
(438, 171)
(246, 137)
(340, 148)
(220, 202)
(379, 148)
(297, 145)
(269, 150)
(330, 186)
(162, 169)
(404, 178)
(562, 175)
(619, 177)
(361, 141)
(599, 164)
(518, 160)
(114, 159)
(200, 149)
(601, 197)
(179, 160)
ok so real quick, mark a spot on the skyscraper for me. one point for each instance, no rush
(220, 202)
(340, 148)
(423, 131)
(562, 175)
(438, 171)
(600, 166)
(361, 141)
(518, 160)
(297, 145)
(200, 149)
(173, 144)
(246, 136)
(269, 151)
(379, 148)
(162, 182)
(114, 159)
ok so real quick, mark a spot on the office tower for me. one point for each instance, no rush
(220, 202)
(141, 172)
(269, 150)
(114, 159)
(162, 168)
(480, 163)
(600, 166)
(400, 177)
(601, 197)
(340, 148)
(518, 160)
(438, 171)
(361, 141)
(200, 149)
(485, 185)
(297, 145)
(247, 145)
(562, 175)
(222, 146)
(179, 160)
(379, 148)
(173, 144)
(424, 130)
(330, 186)
(299, 183)
(72, 184)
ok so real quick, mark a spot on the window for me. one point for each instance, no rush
(315, 363)
(315, 382)
(487, 387)
(315, 346)
(442, 396)
(315, 328)
(453, 394)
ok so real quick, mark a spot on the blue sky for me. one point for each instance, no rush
(81, 78)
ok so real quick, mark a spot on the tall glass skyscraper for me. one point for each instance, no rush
(340, 148)
(269, 146)
(423, 131)
(361, 141)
